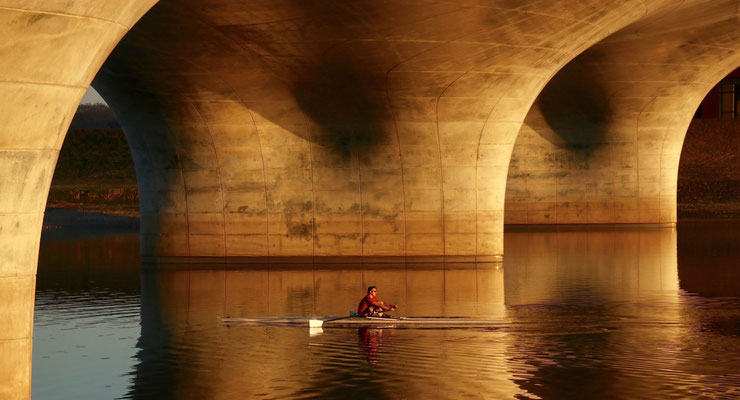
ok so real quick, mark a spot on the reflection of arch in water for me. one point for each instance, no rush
(594, 265)
(312, 290)
(587, 281)
(708, 257)
(614, 266)
(112, 258)
(178, 304)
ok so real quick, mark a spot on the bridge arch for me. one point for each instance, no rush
(302, 130)
(603, 141)
(49, 54)
(239, 153)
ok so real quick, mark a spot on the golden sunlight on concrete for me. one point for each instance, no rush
(603, 141)
(50, 51)
(295, 128)
(352, 129)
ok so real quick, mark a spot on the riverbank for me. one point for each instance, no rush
(121, 200)
(95, 171)
(709, 172)
(75, 224)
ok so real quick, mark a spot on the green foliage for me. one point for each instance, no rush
(95, 157)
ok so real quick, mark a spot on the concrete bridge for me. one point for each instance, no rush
(292, 128)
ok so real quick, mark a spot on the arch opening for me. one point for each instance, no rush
(94, 171)
(708, 177)
(651, 76)
(334, 134)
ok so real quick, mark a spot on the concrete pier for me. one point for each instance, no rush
(50, 52)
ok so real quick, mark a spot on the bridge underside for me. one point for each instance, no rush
(602, 142)
(353, 129)
(297, 129)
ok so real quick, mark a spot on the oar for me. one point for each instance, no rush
(318, 323)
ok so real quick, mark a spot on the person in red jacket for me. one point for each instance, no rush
(371, 305)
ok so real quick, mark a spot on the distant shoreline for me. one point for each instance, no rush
(121, 210)
(62, 223)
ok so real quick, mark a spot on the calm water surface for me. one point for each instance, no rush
(592, 314)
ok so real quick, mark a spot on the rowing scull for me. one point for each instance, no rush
(374, 322)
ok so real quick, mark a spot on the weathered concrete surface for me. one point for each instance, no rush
(294, 128)
(603, 141)
(50, 51)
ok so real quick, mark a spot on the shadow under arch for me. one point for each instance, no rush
(343, 101)
(575, 106)
(157, 161)
(652, 75)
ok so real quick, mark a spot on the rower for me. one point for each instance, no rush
(370, 305)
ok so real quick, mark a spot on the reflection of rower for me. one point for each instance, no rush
(370, 305)
(370, 342)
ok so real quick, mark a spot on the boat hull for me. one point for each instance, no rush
(373, 322)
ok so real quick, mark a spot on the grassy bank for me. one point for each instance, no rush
(709, 173)
(95, 172)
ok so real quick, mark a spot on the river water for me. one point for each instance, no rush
(624, 314)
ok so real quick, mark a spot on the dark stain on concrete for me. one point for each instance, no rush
(36, 18)
(368, 211)
(246, 210)
(337, 239)
(297, 223)
(300, 230)
(573, 159)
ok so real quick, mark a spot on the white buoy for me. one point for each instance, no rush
(315, 323)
